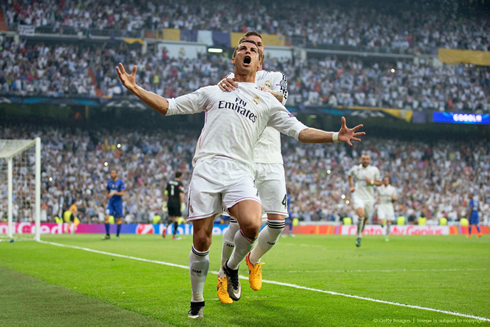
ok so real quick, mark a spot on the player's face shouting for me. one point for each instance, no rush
(247, 57)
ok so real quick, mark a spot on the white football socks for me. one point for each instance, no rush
(267, 238)
(198, 268)
(360, 227)
(243, 245)
(228, 244)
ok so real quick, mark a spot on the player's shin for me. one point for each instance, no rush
(118, 231)
(243, 245)
(228, 243)
(360, 227)
(267, 239)
(176, 225)
(387, 229)
(198, 267)
(107, 228)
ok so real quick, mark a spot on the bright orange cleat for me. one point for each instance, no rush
(479, 235)
(468, 236)
(254, 274)
(222, 291)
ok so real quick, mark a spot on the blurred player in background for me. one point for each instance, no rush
(115, 192)
(173, 201)
(71, 219)
(473, 217)
(269, 179)
(366, 177)
(386, 212)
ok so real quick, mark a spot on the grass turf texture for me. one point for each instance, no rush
(441, 272)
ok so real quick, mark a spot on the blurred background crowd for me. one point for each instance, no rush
(433, 180)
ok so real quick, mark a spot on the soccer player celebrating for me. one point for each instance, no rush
(115, 192)
(363, 193)
(269, 179)
(386, 196)
(174, 201)
(223, 173)
(473, 217)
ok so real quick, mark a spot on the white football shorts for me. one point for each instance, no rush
(218, 184)
(386, 212)
(271, 183)
(367, 205)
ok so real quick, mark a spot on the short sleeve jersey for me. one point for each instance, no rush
(363, 190)
(385, 194)
(115, 187)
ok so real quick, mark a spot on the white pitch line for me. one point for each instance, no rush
(278, 283)
(383, 271)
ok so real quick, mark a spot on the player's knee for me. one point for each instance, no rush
(251, 228)
(202, 241)
(106, 219)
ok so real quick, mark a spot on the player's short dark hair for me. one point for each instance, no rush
(114, 170)
(248, 41)
(248, 34)
(389, 178)
(178, 174)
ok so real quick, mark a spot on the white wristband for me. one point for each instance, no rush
(335, 137)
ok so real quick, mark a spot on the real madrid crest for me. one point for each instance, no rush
(268, 84)
(256, 101)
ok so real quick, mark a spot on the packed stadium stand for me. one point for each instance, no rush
(349, 25)
(433, 179)
(31, 69)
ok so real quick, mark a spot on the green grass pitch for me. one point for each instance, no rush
(47, 285)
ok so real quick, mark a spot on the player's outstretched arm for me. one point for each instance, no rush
(345, 134)
(153, 100)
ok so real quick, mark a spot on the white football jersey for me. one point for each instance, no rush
(363, 190)
(268, 147)
(385, 194)
(234, 120)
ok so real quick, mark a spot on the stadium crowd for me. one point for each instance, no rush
(61, 70)
(361, 25)
(432, 180)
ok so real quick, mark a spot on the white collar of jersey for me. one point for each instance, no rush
(247, 85)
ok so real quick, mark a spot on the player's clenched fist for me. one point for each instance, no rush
(128, 80)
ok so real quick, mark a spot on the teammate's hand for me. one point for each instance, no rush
(352, 189)
(266, 89)
(349, 134)
(368, 181)
(109, 195)
(227, 84)
(128, 80)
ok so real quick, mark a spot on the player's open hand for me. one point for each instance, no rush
(128, 80)
(227, 84)
(349, 134)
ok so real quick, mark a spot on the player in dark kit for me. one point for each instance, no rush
(174, 201)
(115, 192)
